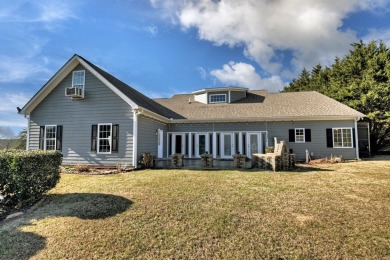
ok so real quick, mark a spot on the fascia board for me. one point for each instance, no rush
(49, 86)
(267, 119)
(60, 75)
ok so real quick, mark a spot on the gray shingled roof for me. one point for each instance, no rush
(138, 98)
(261, 104)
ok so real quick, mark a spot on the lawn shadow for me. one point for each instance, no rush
(297, 169)
(16, 244)
(310, 168)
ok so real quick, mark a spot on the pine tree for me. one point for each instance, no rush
(360, 80)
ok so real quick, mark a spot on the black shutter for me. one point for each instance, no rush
(115, 138)
(59, 138)
(291, 135)
(93, 138)
(354, 137)
(329, 137)
(307, 135)
(41, 137)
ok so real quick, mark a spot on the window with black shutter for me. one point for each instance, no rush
(307, 135)
(42, 137)
(299, 135)
(115, 138)
(59, 138)
(93, 138)
(329, 137)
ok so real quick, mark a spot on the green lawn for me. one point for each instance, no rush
(326, 211)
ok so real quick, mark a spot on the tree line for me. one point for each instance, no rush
(360, 80)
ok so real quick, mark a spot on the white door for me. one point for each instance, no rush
(227, 145)
(200, 144)
(160, 139)
(253, 144)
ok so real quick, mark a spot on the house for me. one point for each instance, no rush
(94, 118)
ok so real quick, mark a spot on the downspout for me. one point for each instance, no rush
(135, 136)
(356, 140)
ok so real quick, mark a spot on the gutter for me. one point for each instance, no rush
(262, 119)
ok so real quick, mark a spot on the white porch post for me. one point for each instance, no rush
(356, 140)
(214, 144)
(135, 137)
(190, 145)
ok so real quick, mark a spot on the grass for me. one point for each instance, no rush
(322, 211)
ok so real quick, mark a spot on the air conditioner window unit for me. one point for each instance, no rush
(74, 92)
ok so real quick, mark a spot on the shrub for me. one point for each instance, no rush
(147, 160)
(26, 175)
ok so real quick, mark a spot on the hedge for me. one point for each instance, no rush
(26, 175)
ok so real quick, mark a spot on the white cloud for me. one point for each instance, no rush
(9, 101)
(244, 75)
(202, 72)
(309, 29)
(41, 11)
(152, 29)
(9, 118)
(14, 69)
(378, 35)
(6, 132)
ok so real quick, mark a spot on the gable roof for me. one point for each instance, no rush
(257, 105)
(131, 96)
(261, 105)
(137, 97)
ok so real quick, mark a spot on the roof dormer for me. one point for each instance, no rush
(219, 95)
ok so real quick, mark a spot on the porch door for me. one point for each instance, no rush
(160, 138)
(200, 144)
(253, 144)
(178, 143)
(227, 145)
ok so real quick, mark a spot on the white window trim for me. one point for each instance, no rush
(98, 139)
(342, 137)
(55, 137)
(211, 95)
(295, 133)
(78, 86)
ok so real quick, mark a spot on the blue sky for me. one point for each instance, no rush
(166, 47)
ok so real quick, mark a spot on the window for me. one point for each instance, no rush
(78, 79)
(342, 137)
(218, 98)
(104, 138)
(50, 137)
(299, 135)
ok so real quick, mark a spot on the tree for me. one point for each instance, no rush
(360, 80)
(21, 140)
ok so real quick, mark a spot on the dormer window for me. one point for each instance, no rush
(217, 98)
(78, 79)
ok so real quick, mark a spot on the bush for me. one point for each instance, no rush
(147, 160)
(26, 175)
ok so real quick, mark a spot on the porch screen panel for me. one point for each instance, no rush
(227, 140)
(202, 144)
(254, 144)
